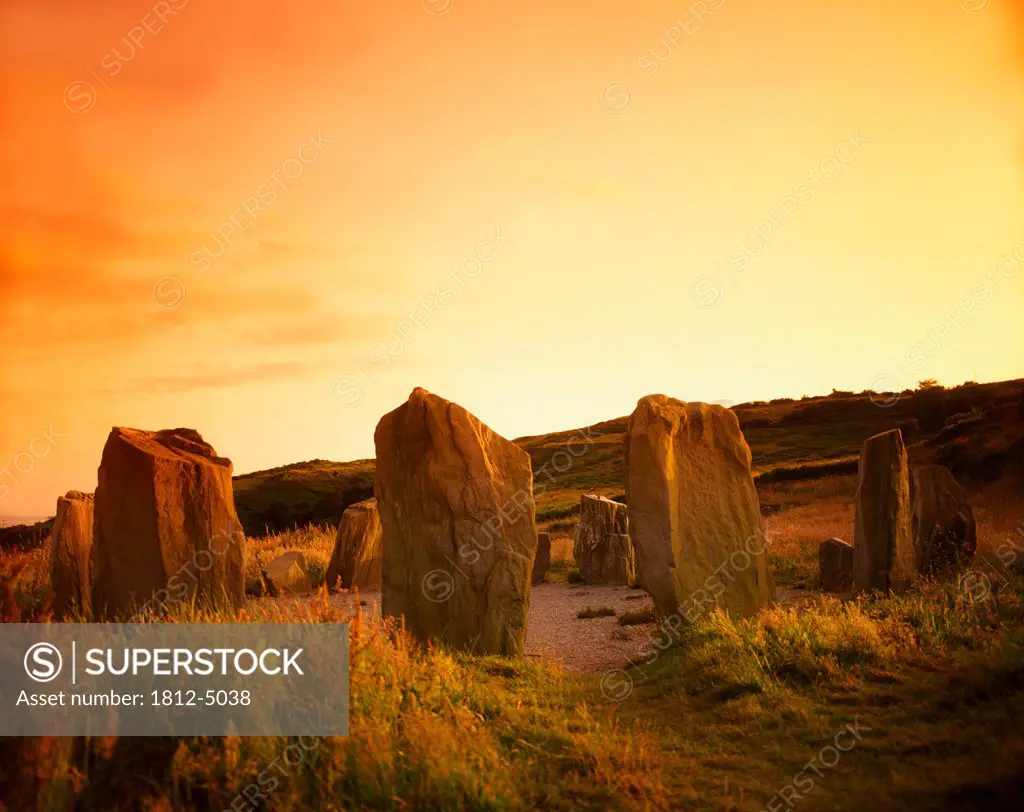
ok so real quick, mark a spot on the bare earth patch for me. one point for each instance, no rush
(553, 632)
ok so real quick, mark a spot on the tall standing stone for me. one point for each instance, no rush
(603, 551)
(942, 522)
(693, 510)
(70, 550)
(883, 548)
(356, 559)
(543, 558)
(165, 525)
(456, 505)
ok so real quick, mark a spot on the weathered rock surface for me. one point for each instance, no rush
(693, 510)
(165, 522)
(543, 559)
(883, 548)
(942, 522)
(835, 565)
(70, 551)
(356, 559)
(456, 505)
(288, 575)
(603, 551)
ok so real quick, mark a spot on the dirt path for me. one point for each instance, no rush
(555, 634)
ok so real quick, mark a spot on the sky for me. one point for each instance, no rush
(270, 222)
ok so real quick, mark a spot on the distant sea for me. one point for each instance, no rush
(10, 521)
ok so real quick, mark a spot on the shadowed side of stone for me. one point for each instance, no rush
(165, 523)
(883, 548)
(456, 505)
(835, 565)
(942, 522)
(543, 559)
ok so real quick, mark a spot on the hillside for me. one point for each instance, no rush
(300, 494)
(975, 429)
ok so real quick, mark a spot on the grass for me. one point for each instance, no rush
(315, 542)
(589, 613)
(721, 718)
(637, 618)
(429, 730)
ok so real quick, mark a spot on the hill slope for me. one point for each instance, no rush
(976, 429)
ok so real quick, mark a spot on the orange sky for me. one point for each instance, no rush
(540, 210)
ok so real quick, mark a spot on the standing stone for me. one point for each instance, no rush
(70, 549)
(835, 565)
(883, 548)
(942, 522)
(693, 510)
(543, 559)
(603, 551)
(165, 527)
(357, 550)
(456, 505)
(288, 575)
